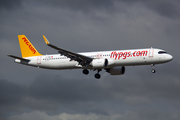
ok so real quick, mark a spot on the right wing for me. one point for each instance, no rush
(81, 59)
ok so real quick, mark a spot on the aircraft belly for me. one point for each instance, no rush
(59, 64)
(67, 65)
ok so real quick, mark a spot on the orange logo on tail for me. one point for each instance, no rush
(29, 45)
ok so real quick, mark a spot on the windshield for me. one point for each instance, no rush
(162, 52)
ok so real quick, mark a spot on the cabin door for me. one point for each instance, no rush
(151, 52)
(39, 60)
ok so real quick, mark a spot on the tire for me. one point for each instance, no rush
(98, 76)
(85, 71)
(153, 71)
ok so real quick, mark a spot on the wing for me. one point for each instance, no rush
(81, 59)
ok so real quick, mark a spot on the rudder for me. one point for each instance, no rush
(27, 49)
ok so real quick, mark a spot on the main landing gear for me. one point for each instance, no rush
(153, 70)
(85, 71)
(97, 75)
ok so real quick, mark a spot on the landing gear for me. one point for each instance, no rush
(153, 70)
(97, 75)
(85, 71)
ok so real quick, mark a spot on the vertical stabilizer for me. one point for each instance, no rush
(27, 49)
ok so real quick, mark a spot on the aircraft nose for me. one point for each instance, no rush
(170, 57)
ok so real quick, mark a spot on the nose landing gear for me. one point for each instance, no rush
(153, 70)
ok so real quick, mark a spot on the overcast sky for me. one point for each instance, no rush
(28, 93)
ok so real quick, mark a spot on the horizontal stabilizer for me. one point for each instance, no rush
(26, 60)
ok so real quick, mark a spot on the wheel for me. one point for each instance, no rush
(153, 71)
(85, 71)
(97, 75)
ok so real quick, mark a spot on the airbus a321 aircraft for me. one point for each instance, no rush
(112, 61)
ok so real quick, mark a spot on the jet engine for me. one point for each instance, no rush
(102, 63)
(119, 70)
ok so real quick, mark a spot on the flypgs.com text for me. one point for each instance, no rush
(124, 55)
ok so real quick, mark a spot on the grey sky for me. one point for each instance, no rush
(89, 25)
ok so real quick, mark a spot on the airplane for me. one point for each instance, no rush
(113, 61)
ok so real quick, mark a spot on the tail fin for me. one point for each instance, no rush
(27, 49)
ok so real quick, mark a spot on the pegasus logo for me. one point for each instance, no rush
(29, 45)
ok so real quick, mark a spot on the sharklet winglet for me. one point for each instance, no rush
(46, 40)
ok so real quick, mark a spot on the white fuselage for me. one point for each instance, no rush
(115, 58)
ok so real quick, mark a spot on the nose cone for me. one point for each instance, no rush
(170, 57)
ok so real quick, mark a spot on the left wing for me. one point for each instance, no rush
(81, 59)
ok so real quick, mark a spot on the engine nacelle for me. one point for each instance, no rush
(102, 63)
(110, 62)
(99, 63)
(119, 70)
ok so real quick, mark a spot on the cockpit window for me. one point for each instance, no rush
(162, 52)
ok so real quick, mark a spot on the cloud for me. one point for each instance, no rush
(38, 115)
(81, 5)
(55, 94)
(138, 115)
(10, 91)
(11, 96)
(163, 7)
(10, 4)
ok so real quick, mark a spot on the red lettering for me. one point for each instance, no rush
(134, 54)
(138, 53)
(115, 53)
(144, 53)
(120, 55)
(112, 54)
(34, 51)
(29, 45)
(125, 55)
(25, 40)
(128, 54)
